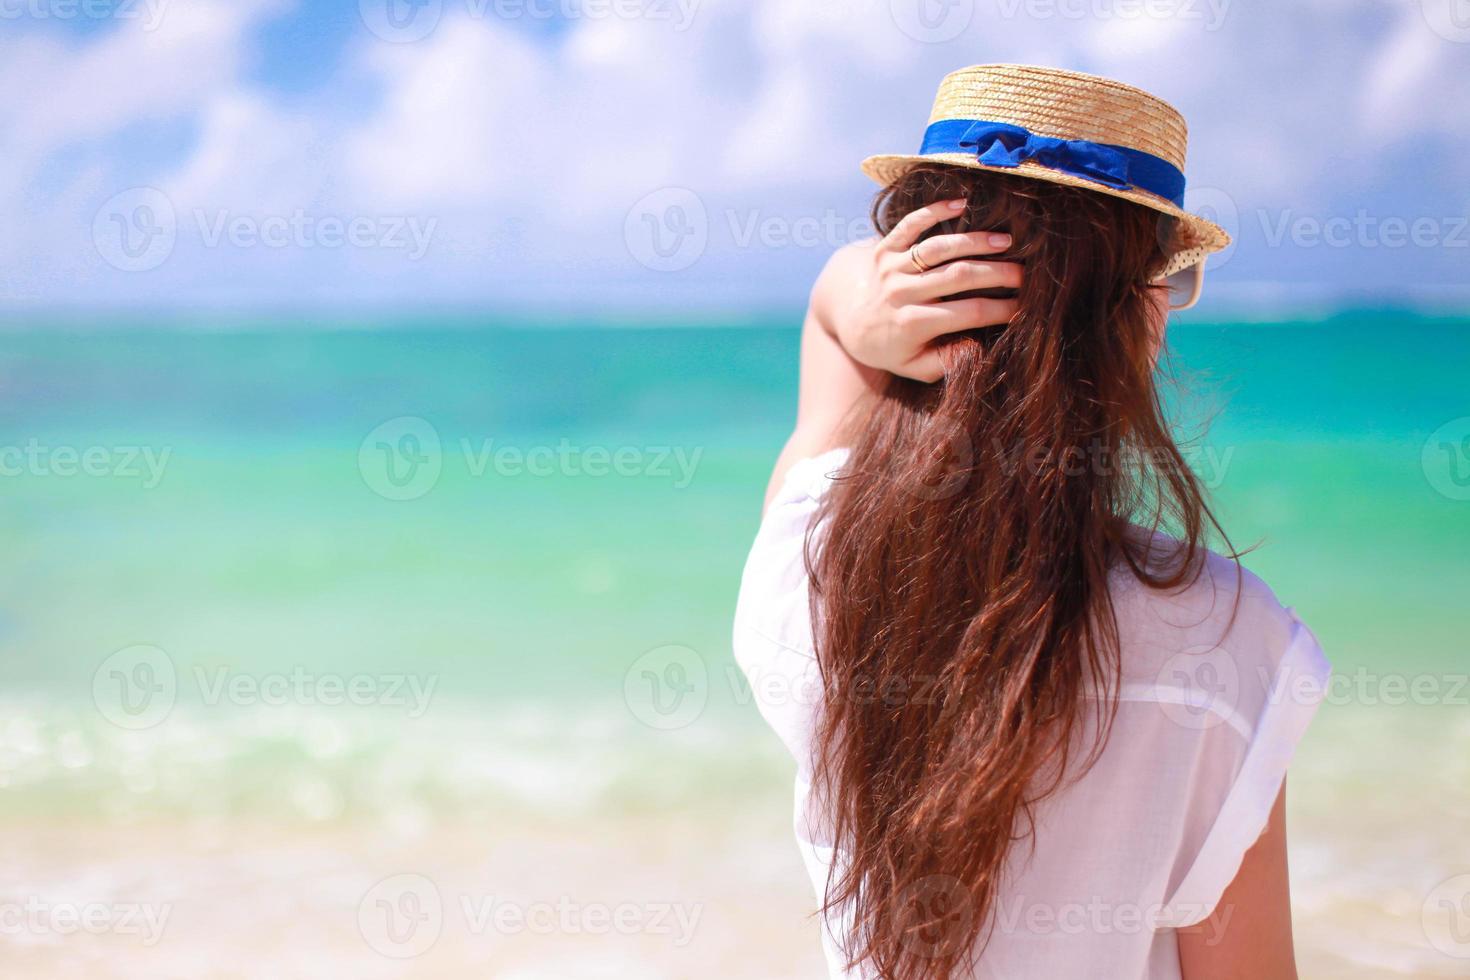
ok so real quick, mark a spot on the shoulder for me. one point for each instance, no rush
(845, 268)
(1222, 594)
(1232, 678)
(849, 260)
(1223, 643)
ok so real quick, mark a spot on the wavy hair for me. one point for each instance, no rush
(960, 568)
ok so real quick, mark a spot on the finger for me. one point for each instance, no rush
(940, 319)
(946, 248)
(961, 276)
(927, 366)
(907, 231)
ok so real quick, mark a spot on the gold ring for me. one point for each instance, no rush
(918, 262)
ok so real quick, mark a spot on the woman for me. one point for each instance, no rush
(1041, 730)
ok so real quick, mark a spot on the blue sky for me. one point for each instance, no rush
(663, 155)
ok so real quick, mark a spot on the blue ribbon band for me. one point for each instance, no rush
(998, 144)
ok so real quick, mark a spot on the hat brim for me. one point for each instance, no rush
(1195, 237)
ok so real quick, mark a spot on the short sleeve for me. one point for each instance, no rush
(772, 639)
(1291, 699)
(807, 480)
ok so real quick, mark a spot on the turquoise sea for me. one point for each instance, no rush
(304, 605)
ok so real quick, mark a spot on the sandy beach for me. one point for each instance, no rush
(684, 883)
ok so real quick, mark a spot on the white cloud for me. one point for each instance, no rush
(59, 92)
(250, 155)
(762, 101)
(64, 94)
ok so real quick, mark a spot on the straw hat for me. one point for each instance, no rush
(1067, 128)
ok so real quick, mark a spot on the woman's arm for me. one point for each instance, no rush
(873, 313)
(832, 380)
(1249, 935)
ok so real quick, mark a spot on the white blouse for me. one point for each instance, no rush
(1148, 839)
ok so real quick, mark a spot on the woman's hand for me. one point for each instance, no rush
(886, 313)
(874, 314)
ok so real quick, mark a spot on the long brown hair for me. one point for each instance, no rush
(960, 568)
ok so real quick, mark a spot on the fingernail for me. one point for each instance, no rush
(958, 205)
(1000, 241)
